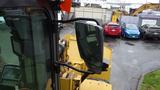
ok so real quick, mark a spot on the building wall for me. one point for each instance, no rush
(103, 15)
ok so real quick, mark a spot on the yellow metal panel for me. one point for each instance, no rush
(107, 54)
(66, 84)
(48, 85)
(95, 85)
(105, 75)
(73, 52)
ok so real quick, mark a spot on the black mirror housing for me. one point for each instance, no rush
(90, 45)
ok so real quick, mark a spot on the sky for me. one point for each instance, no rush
(134, 1)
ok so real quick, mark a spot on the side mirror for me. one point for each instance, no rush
(90, 45)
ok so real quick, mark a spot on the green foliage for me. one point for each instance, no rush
(151, 81)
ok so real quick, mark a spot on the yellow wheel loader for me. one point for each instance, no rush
(44, 62)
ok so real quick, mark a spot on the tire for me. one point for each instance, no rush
(123, 36)
(104, 35)
(144, 37)
(147, 38)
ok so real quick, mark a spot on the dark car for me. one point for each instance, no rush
(150, 31)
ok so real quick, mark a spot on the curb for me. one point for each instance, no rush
(140, 80)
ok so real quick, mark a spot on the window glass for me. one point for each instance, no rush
(131, 26)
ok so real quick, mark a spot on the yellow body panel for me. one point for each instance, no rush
(65, 84)
(73, 52)
(89, 84)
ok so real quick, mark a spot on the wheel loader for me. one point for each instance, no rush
(38, 59)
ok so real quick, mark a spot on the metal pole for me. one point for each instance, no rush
(55, 43)
(53, 38)
(53, 33)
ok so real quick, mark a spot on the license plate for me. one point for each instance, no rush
(113, 30)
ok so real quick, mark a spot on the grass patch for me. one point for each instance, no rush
(151, 81)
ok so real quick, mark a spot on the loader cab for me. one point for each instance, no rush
(24, 53)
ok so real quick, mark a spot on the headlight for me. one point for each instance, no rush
(127, 32)
(138, 32)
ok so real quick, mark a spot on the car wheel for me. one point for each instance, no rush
(145, 37)
(123, 36)
(104, 35)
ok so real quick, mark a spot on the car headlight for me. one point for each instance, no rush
(127, 32)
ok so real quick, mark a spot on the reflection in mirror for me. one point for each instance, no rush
(90, 44)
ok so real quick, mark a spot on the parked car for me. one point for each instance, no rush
(130, 31)
(112, 29)
(150, 31)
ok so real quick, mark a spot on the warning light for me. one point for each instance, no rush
(66, 5)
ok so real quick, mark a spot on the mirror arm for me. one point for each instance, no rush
(82, 71)
(84, 76)
(76, 19)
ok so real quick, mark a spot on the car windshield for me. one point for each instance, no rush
(113, 26)
(131, 26)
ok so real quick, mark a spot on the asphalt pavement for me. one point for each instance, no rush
(131, 59)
